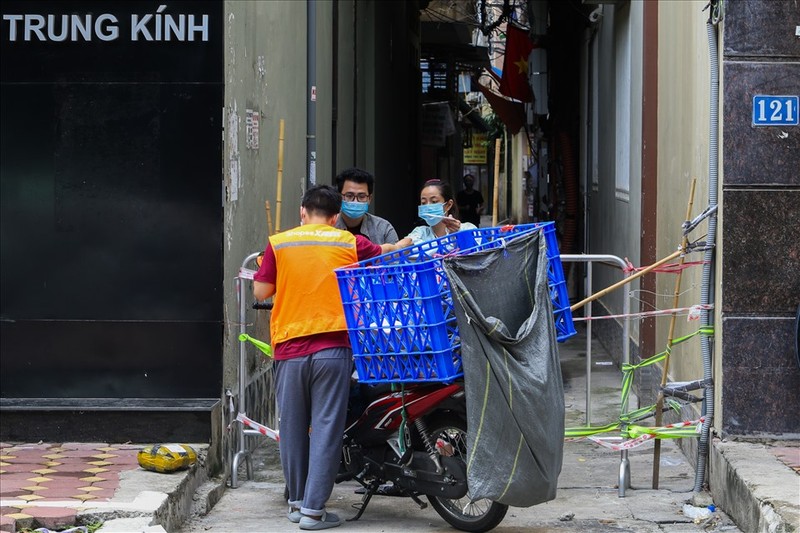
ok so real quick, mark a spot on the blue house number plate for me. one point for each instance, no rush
(775, 110)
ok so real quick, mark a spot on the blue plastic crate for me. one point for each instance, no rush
(399, 309)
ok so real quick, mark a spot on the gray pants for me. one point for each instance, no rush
(312, 392)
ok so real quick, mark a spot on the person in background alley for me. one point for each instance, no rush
(313, 359)
(436, 208)
(470, 202)
(356, 187)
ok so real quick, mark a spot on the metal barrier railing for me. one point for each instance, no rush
(626, 307)
(589, 259)
(244, 453)
(241, 432)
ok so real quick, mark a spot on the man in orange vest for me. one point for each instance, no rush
(313, 359)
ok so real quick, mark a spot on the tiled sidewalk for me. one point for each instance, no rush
(788, 455)
(46, 473)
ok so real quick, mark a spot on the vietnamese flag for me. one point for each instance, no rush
(514, 83)
(512, 113)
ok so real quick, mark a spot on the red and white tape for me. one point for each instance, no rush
(693, 313)
(246, 273)
(685, 423)
(610, 442)
(625, 445)
(264, 430)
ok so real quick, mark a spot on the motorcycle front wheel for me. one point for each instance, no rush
(450, 432)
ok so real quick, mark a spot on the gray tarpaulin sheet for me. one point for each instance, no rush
(512, 376)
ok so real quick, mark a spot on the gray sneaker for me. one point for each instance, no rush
(326, 521)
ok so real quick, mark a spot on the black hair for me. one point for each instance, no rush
(355, 175)
(445, 190)
(322, 200)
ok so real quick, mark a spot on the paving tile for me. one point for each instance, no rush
(111, 485)
(89, 489)
(788, 454)
(33, 445)
(15, 507)
(10, 469)
(7, 523)
(20, 516)
(100, 463)
(78, 453)
(131, 460)
(107, 476)
(102, 493)
(12, 489)
(93, 479)
(52, 517)
(64, 482)
(60, 493)
(95, 470)
(120, 467)
(24, 454)
(11, 494)
(43, 471)
(53, 456)
(23, 520)
(39, 479)
(104, 455)
(34, 488)
(71, 467)
(10, 476)
(83, 445)
(74, 460)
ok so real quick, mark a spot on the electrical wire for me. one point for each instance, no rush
(464, 16)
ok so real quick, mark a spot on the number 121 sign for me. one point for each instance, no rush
(775, 110)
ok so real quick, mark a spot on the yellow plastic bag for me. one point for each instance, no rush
(166, 457)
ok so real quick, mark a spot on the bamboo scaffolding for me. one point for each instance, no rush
(627, 280)
(280, 178)
(495, 199)
(269, 218)
(670, 339)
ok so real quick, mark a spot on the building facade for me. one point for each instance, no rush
(135, 185)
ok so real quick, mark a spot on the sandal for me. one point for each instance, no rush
(294, 515)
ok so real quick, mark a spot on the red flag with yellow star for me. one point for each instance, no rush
(514, 82)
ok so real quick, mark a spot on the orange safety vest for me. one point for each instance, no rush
(307, 299)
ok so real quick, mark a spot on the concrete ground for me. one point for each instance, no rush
(588, 496)
(756, 486)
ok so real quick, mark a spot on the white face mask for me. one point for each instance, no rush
(432, 214)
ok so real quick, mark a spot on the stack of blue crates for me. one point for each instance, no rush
(399, 308)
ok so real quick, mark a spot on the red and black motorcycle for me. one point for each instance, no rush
(413, 440)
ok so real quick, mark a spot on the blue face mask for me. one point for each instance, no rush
(431, 213)
(354, 209)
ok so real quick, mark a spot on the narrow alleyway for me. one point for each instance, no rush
(587, 497)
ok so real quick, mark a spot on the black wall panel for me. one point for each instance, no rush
(111, 207)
